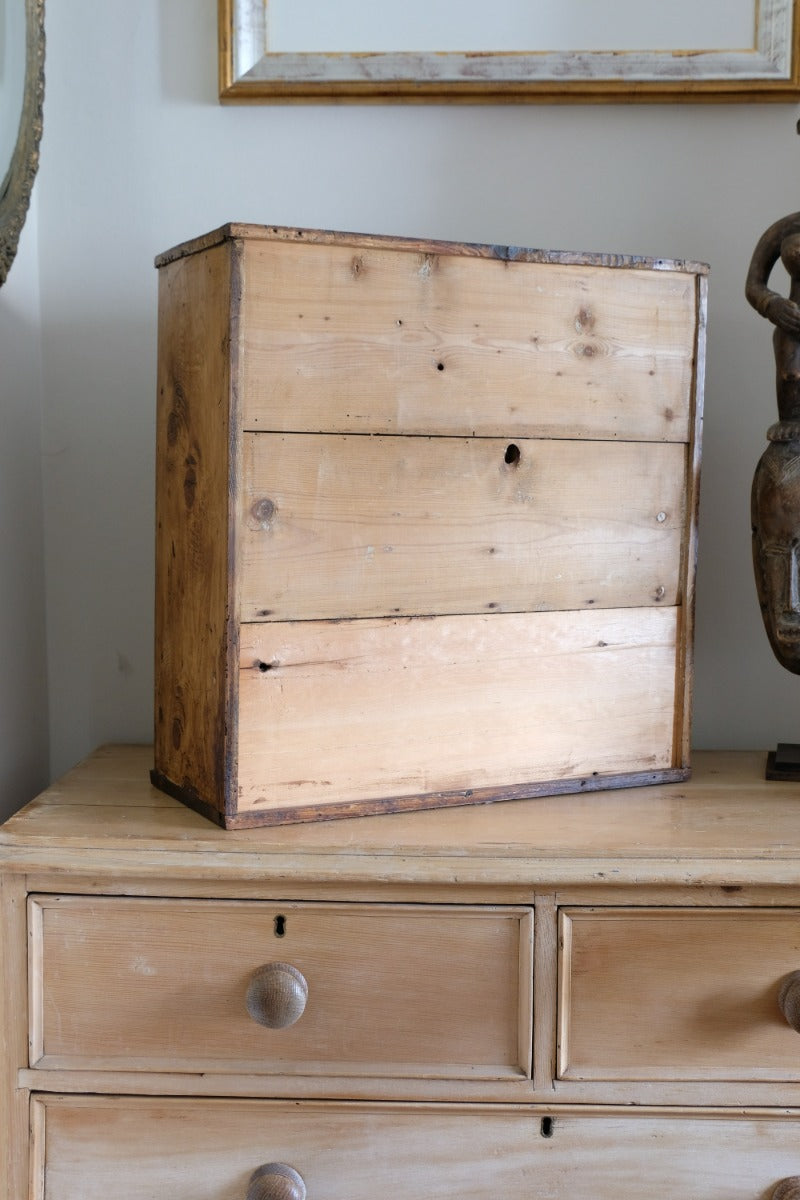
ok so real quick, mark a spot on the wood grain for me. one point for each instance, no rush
(348, 526)
(372, 340)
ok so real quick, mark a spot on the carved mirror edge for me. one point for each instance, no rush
(16, 188)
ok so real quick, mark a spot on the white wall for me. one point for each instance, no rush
(138, 155)
(23, 694)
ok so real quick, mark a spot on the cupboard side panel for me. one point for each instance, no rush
(195, 443)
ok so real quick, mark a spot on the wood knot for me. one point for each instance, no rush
(263, 511)
(585, 320)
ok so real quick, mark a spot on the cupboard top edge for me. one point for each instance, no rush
(241, 232)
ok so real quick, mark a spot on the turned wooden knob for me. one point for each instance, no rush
(787, 1189)
(276, 995)
(789, 1000)
(276, 1181)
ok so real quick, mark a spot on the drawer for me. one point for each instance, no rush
(143, 984)
(676, 994)
(93, 1148)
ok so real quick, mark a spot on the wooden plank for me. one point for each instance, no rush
(344, 526)
(357, 1151)
(677, 994)
(378, 340)
(192, 521)
(328, 710)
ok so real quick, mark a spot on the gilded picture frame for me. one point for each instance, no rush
(251, 69)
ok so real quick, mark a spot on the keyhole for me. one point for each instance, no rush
(512, 454)
(547, 1127)
(280, 926)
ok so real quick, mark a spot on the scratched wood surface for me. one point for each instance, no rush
(379, 526)
(399, 707)
(375, 340)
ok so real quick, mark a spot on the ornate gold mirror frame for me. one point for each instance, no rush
(15, 190)
(759, 61)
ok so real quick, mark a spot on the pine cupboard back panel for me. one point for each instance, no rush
(426, 518)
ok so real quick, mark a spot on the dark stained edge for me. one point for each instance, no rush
(397, 804)
(187, 795)
(508, 254)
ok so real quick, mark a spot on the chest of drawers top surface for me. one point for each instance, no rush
(425, 522)
(726, 825)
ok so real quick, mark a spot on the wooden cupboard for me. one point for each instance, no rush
(427, 507)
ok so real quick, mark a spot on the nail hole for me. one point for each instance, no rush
(263, 666)
(512, 454)
(440, 366)
(280, 926)
(547, 1127)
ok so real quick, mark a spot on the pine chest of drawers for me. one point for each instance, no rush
(427, 510)
(580, 998)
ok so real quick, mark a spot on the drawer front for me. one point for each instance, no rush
(407, 525)
(677, 994)
(90, 1149)
(140, 984)
(374, 340)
